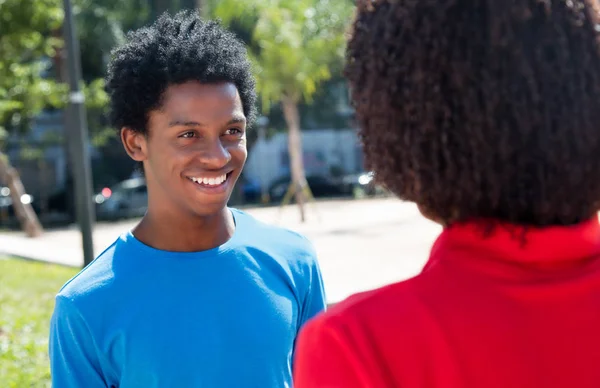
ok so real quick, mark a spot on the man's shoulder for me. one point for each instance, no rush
(290, 250)
(262, 234)
(96, 278)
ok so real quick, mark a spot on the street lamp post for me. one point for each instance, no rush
(77, 138)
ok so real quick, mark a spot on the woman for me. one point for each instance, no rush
(486, 113)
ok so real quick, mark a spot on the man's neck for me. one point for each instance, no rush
(170, 232)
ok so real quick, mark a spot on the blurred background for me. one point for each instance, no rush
(280, 35)
(60, 204)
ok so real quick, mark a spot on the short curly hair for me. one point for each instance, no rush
(174, 50)
(481, 109)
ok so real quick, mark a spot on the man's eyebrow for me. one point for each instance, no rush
(237, 120)
(185, 123)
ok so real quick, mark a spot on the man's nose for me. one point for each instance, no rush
(214, 156)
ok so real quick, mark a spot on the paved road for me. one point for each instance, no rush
(361, 244)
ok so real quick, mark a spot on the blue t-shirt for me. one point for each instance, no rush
(225, 317)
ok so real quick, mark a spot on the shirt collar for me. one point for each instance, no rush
(521, 243)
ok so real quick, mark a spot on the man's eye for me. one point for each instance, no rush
(234, 131)
(187, 135)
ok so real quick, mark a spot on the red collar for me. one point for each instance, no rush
(522, 244)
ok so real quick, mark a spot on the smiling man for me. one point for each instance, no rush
(197, 294)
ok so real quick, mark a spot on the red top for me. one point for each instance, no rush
(515, 309)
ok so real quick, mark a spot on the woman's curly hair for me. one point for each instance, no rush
(174, 50)
(481, 109)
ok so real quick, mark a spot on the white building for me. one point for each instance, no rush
(325, 150)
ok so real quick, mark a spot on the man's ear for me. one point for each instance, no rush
(135, 144)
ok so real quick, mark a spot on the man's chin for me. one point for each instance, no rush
(213, 208)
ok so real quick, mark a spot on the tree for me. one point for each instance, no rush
(295, 46)
(30, 40)
(26, 42)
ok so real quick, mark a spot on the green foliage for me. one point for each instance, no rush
(26, 303)
(96, 101)
(295, 44)
(30, 44)
(102, 25)
(27, 42)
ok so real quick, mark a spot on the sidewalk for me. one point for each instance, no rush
(361, 244)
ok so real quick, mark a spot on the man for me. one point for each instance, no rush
(197, 294)
(486, 114)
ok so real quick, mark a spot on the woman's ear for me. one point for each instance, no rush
(135, 144)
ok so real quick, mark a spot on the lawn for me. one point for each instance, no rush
(27, 292)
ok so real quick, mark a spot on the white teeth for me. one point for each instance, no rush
(210, 181)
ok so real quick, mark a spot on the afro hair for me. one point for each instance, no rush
(481, 109)
(174, 50)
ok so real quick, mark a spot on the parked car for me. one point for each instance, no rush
(250, 189)
(6, 203)
(359, 185)
(126, 199)
(321, 186)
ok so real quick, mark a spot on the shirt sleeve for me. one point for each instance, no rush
(326, 359)
(315, 300)
(74, 359)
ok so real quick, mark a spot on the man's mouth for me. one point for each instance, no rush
(212, 181)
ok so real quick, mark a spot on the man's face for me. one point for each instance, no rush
(195, 148)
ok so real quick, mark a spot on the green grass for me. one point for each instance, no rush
(27, 291)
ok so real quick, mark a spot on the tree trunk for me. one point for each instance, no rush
(24, 212)
(292, 119)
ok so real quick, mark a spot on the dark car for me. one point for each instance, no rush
(126, 199)
(251, 190)
(321, 186)
(7, 210)
(359, 185)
